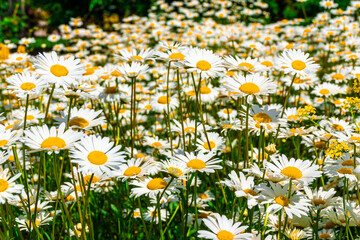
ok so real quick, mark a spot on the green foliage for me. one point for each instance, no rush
(290, 9)
(12, 21)
(92, 10)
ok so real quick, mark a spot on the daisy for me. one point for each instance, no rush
(298, 170)
(133, 69)
(246, 65)
(278, 198)
(134, 55)
(177, 169)
(337, 125)
(160, 101)
(27, 83)
(204, 62)
(244, 187)
(326, 89)
(53, 139)
(97, 155)
(152, 214)
(253, 85)
(8, 138)
(8, 187)
(213, 142)
(298, 62)
(227, 113)
(152, 187)
(222, 228)
(320, 199)
(156, 143)
(42, 218)
(200, 161)
(58, 70)
(189, 127)
(82, 118)
(328, 4)
(133, 168)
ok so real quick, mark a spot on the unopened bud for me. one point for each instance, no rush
(270, 149)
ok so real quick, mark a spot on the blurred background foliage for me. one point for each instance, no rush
(20, 18)
(290, 9)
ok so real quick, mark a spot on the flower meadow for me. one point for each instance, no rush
(195, 122)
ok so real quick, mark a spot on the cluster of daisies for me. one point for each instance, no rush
(173, 128)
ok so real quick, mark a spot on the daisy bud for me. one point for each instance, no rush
(270, 149)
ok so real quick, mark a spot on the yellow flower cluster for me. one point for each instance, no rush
(356, 86)
(306, 111)
(337, 149)
(352, 102)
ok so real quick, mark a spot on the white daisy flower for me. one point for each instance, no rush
(58, 70)
(296, 61)
(53, 139)
(97, 155)
(222, 228)
(8, 187)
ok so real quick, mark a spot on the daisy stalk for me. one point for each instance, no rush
(167, 106)
(48, 103)
(285, 104)
(180, 108)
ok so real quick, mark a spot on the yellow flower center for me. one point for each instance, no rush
(79, 122)
(249, 66)
(196, 164)
(267, 63)
(298, 81)
(177, 56)
(93, 180)
(27, 86)
(249, 88)
(355, 139)
(203, 196)
(3, 142)
(156, 183)
(282, 200)
(318, 202)
(97, 157)
(338, 127)
(227, 111)
(59, 70)
(338, 76)
(30, 117)
(345, 171)
(163, 100)
(189, 129)
(132, 171)
(324, 236)
(328, 4)
(89, 71)
(138, 58)
(262, 118)
(225, 235)
(205, 90)
(110, 90)
(175, 171)
(348, 163)
(298, 65)
(30, 224)
(251, 192)
(324, 91)
(207, 147)
(203, 65)
(115, 73)
(156, 144)
(292, 117)
(139, 155)
(53, 143)
(292, 172)
(4, 185)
